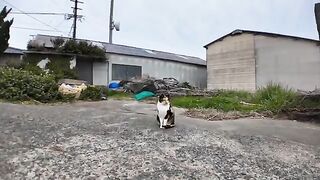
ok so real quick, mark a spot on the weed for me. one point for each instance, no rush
(272, 98)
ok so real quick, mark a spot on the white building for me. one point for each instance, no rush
(247, 60)
(125, 62)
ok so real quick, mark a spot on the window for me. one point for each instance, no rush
(125, 72)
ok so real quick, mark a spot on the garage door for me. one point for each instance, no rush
(84, 70)
(125, 72)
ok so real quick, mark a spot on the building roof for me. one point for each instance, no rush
(240, 31)
(11, 50)
(130, 51)
(140, 52)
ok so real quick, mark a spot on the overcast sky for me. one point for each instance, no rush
(178, 26)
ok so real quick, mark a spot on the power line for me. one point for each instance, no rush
(60, 23)
(67, 16)
(31, 16)
(26, 28)
(40, 13)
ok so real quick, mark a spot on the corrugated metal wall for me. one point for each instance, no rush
(290, 62)
(11, 59)
(85, 70)
(194, 74)
(231, 63)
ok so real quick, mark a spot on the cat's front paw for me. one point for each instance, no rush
(161, 127)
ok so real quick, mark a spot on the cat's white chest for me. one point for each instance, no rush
(162, 110)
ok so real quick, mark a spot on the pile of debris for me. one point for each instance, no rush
(169, 86)
(306, 113)
(315, 94)
(71, 86)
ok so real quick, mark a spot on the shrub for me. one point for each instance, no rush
(82, 47)
(57, 42)
(67, 97)
(33, 46)
(94, 93)
(59, 66)
(275, 98)
(308, 103)
(21, 85)
(36, 70)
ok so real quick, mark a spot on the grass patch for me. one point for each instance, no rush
(224, 100)
(275, 98)
(119, 95)
(272, 98)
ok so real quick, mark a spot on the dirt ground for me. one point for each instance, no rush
(121, 140)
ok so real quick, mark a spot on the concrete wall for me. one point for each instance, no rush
(293, 63)
(231, 63)
(194, 74)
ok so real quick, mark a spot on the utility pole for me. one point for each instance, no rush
(75, 17)
(317, 15)
(111, 22)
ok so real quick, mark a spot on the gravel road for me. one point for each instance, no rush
(121, 140)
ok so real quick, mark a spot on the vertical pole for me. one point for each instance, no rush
(317, 16)
(75, 17)
(111, 22)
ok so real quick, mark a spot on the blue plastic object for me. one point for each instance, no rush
(114, 85)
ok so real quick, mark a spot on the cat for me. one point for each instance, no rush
(165, 116)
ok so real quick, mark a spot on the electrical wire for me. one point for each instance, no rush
(54, 14)
(26, 28)
(31, 16)
(61, 22)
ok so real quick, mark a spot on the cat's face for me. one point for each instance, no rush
(164, 98)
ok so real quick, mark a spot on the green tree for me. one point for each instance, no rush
(4, 30)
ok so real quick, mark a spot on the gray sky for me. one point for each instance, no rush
(178, 26)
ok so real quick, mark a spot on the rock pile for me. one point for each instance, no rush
(315, 94)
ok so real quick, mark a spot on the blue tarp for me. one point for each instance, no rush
(114, 85)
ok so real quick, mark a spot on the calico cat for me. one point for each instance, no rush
(165, 116)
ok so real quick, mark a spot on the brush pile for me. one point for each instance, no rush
(166, 85)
